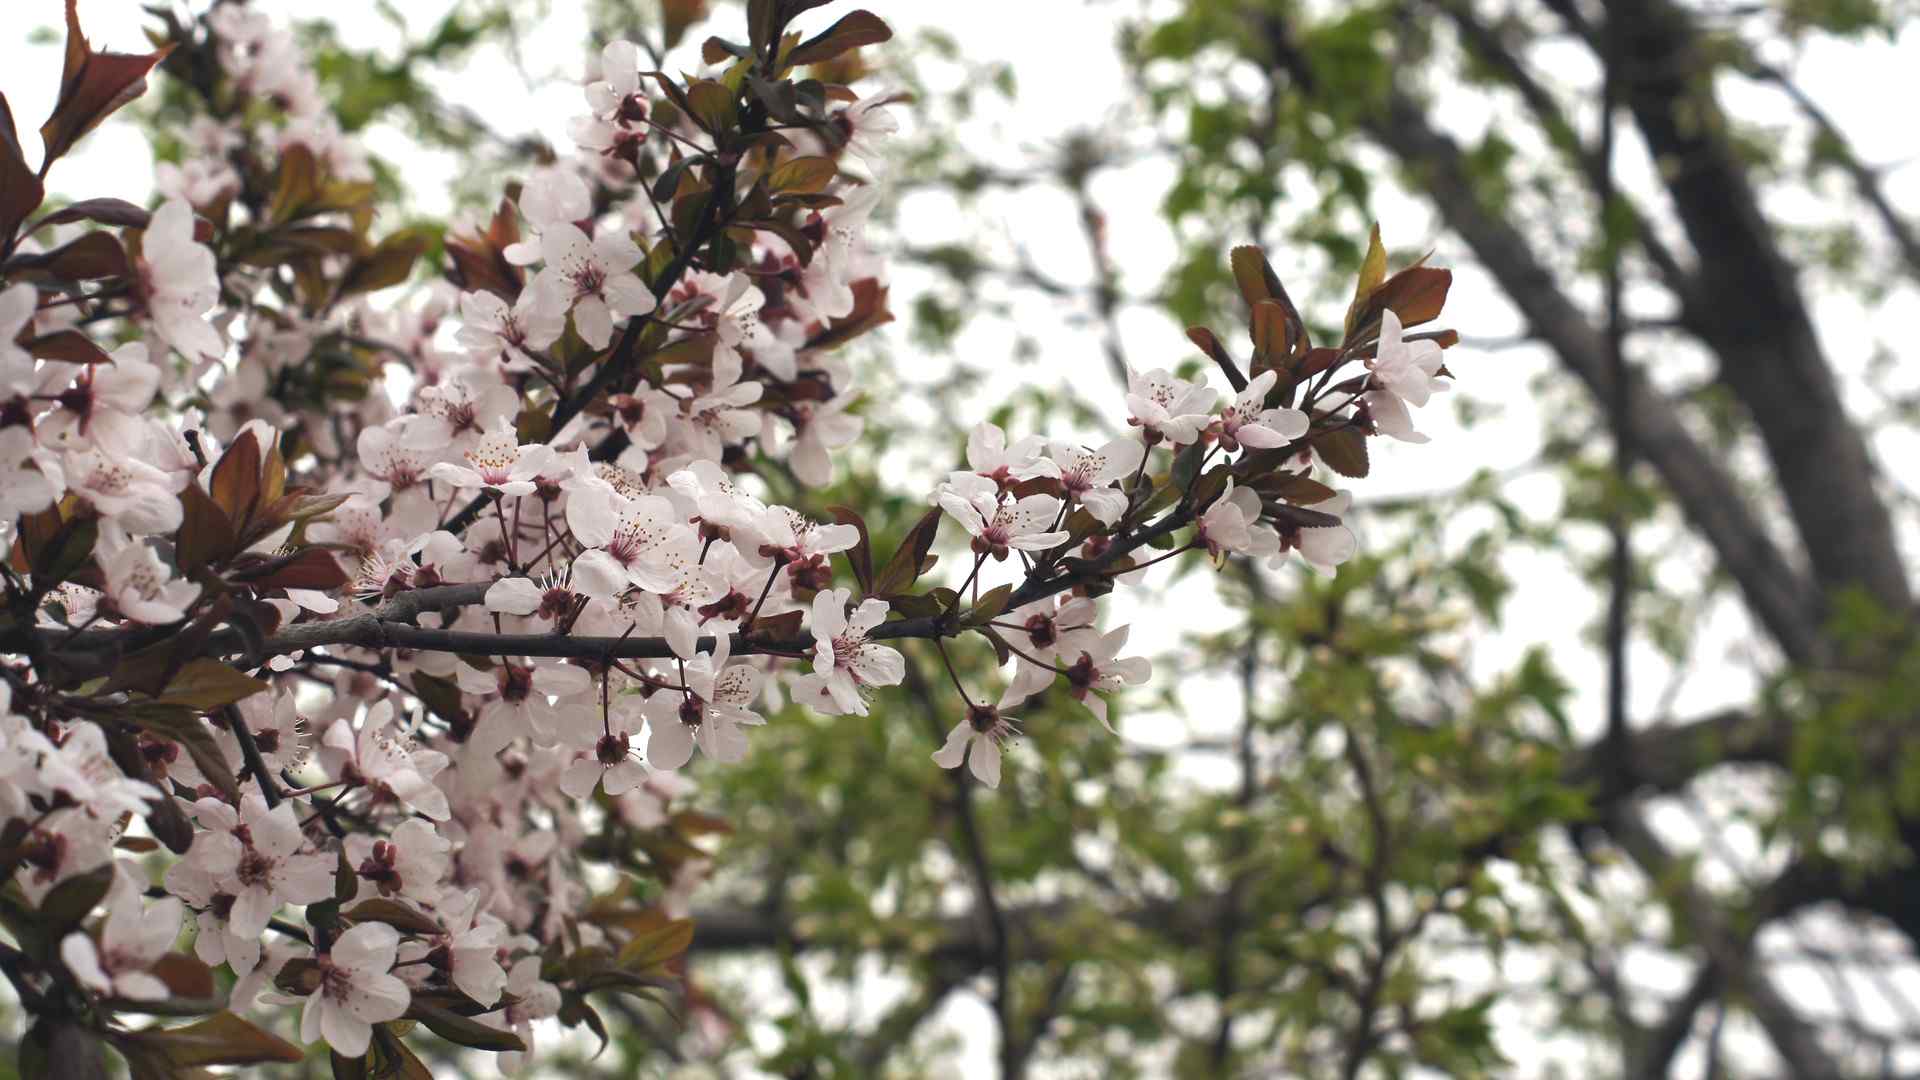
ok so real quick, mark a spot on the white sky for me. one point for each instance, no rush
(1858, 83)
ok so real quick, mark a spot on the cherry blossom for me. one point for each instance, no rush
(1087, 476)
(595, 277)
(611, 760)
(844, 658)
(410, 862)
(411, 593)
(979, 738)
(533, 999)
(535, 321)
(1231, 525)
(1322, 547)
(469, 947)
(989, 455)
(385, 762)
(617, 126)
(29, 476)
(863, 129)
(105, 403)
(133, 495)
(821, 428)
(498, 464)
(1096, 667)
(709, 714)
(356, 990)
(1167, 408)
(133, 937)
(181, 282)
(999, 526)
(1246, 421)
(258, 857)
(1405, 369)
(140, 587)
(80, 770)
(552, 196)
(1391, 417)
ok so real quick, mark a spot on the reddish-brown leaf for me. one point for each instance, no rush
(854, 29)
(91, 257)
(1344, 450)
(92, 86)
(103, 211)
(235, 485)
(308, 568)
(860, 556)
(20, 189)
(184, 975)
(220, 1039)
(869, 312)
(1416, 294)
(68, 346)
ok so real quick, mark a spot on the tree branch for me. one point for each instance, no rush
(391, 626)
(1777, 592)
(1727, 949)
(1755, 315)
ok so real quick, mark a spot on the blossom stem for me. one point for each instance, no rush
(250, 753)
(941, 645)
(1181, 550)
(764, 593)
(978, 561)
(295, 793)
(1031, 659)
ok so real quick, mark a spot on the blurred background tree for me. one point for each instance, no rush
(1490, 802)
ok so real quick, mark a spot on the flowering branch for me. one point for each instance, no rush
(247, 603)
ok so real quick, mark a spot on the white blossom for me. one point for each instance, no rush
(357, 989)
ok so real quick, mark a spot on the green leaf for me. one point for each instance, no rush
(62, 1049)
(713, 105)
(68, 347)
(802, 174)
(760, 23)
(657, 947)
(1373, 270)
(668, 181)
(93, 256)
(991, 605)
(389, 264)
(309, 568)
(575, 1012)
(1415, 294)
(1209, 486)
(210, 684)
(1186, 465)
(68, 551)
(103, 211)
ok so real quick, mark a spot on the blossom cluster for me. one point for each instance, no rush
(397, 623)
